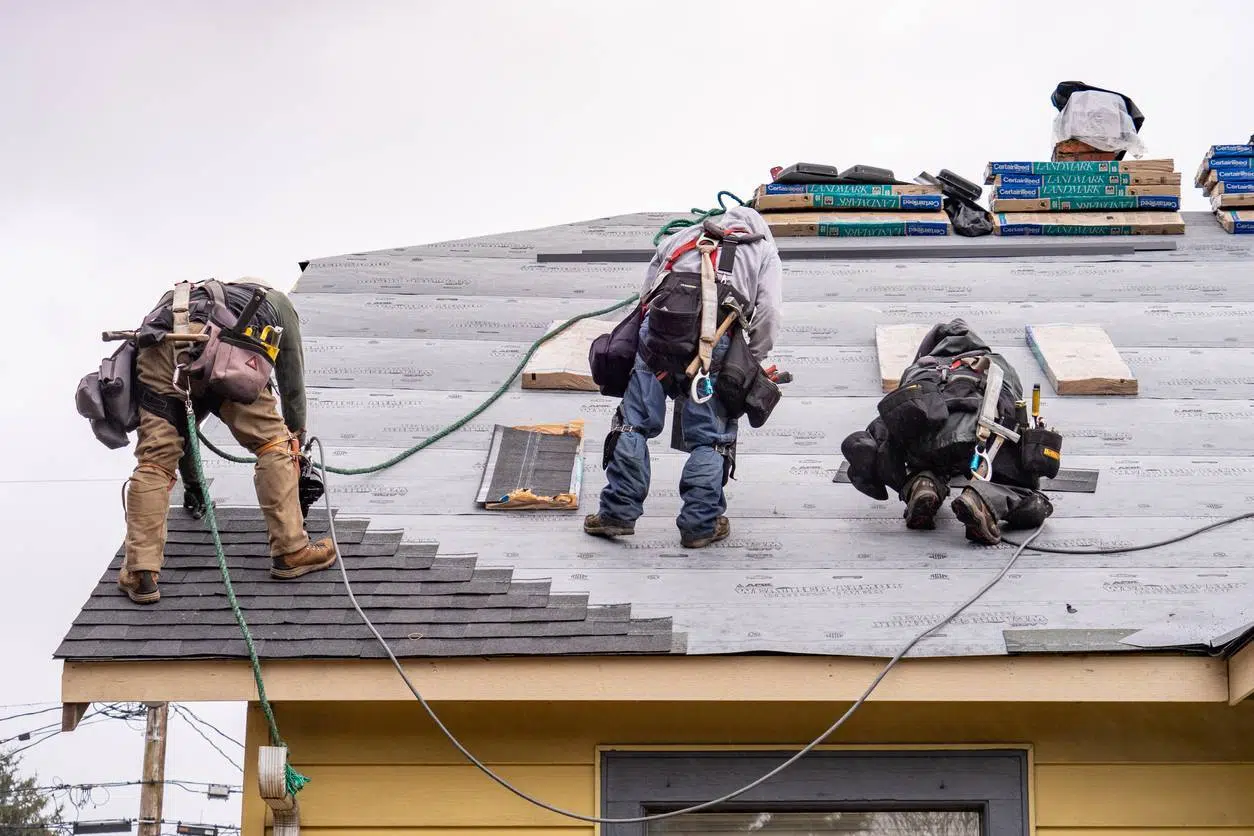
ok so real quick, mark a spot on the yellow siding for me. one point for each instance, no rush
(1115, 770)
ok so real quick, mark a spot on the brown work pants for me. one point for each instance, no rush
(257, 426)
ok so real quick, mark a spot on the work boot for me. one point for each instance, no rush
(975, 514)
(722, 529)
(922, 503)
(312, 558)
(140, 587)
(599, 525)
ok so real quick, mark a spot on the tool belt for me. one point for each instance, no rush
(1040, 451)
(237, 360)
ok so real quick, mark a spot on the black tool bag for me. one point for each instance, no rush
(763, 397)
(612, 356)
(915, 408)
(1040, 452)
(674, 311)
(742, 386)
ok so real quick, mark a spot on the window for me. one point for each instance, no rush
(874, 793)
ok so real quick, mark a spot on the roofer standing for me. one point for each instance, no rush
(253, 330)
(708, 317)
(929, 431)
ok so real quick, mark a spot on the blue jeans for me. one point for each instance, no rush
(705, 425)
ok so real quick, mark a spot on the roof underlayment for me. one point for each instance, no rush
(401, 342)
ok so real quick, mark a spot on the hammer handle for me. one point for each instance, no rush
(718, 335)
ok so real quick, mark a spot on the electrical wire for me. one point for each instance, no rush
(1155, 544)
(30, 713)
(211, 726)
(178, 709)
(505, 784)
(189, 786)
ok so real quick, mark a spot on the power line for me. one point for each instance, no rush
(28, 713)
(190, 786)
(179, 711)
(205, 722)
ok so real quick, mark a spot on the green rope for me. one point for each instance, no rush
(456, 425)
(294, 780)
(671, 227)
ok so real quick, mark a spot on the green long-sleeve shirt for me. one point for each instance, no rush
(289, 366)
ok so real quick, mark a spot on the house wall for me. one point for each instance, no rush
(1117, 769)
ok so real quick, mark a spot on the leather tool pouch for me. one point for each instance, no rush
(914, 409)
(231, 365)
(674, 310)
(1040, 452)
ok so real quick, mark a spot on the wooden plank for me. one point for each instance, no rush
(453, 796)
(1241, 675)
(1132, 678)
(562, 363)
(895, 349)
(1080, 360)
(1148, 795)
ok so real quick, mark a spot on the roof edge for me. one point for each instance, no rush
(1122, 677)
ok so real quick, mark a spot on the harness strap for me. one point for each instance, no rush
(181, 304)
(709, 303)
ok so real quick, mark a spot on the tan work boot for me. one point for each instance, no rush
(722, 530)
(974, 513)
(922, 502)
(140, 587)
(314, 557)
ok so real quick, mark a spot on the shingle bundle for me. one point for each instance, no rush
(1114, 197)
(1226, 175)
(853, 209)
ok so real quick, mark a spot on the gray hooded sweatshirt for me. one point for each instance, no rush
(757, 274)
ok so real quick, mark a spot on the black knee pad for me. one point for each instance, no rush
(1030, 513)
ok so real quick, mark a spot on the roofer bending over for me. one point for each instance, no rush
(941, 422)
(708, 317)
(253, 330)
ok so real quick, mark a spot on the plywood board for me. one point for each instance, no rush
(1080, 360)
(562, 362)
(895, 348)
(1088, 223)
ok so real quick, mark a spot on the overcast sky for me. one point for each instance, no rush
(145, 143)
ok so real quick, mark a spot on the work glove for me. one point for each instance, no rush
(194, 500)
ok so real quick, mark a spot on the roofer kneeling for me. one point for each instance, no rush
(708, 316)
(943, 421)
(227, 375)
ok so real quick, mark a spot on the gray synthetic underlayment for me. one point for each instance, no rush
(1068, 480)
(474, 367)
(836, 323)
(851, 578)
(1044, 281)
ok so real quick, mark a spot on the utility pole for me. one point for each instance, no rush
(152, 791)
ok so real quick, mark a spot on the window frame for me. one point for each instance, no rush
(991, 781)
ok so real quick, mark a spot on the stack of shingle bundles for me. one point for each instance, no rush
(844, 207)
(1115, 197)
(1226, 175)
